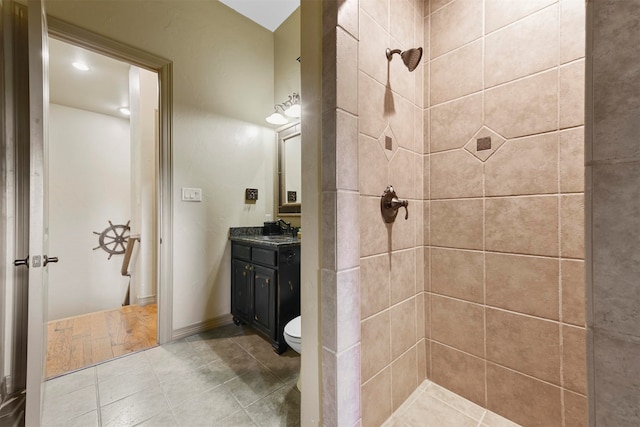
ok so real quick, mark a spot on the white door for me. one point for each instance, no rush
(38, 104)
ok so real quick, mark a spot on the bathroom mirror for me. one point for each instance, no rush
(289, 170)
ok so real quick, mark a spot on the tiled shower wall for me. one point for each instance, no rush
(390, 152)
(505, 300)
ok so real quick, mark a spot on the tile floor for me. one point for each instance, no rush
(433, 406)
(225, 377)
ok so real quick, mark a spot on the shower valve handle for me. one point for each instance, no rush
(389, 205)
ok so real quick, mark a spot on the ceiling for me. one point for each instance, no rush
(103, 89)
(268, 13)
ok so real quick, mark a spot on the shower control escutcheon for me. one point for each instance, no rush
(389, 205)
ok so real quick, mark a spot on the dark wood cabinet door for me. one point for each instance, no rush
(241, 290)
(264, 297)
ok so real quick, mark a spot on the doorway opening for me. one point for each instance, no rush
(102, 192)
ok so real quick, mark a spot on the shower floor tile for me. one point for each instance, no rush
(204, 379)
(434, 406)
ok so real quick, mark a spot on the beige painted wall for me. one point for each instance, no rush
(286, 52)
(223, 88)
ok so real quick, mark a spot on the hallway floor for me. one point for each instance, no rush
(225, 377)
(77, 342)
(433, 406)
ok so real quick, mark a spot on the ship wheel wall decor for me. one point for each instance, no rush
(113, 240)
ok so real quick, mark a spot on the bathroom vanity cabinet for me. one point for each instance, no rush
(265, 285)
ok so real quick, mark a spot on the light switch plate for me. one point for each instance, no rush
(192, 194)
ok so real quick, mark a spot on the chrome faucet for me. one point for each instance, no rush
(286, 227)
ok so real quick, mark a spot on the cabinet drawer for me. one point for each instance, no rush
(240, 251)
(264, 256)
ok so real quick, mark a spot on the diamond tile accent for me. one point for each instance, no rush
(386, 140)
(484, 132)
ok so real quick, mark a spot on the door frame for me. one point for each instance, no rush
(72, 34)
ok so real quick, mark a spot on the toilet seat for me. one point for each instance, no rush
(294, 328)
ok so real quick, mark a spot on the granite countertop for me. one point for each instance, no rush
(253, 236)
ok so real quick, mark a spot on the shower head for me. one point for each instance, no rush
(411, 57)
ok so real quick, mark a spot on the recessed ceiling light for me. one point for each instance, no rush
(125, 111)
(81, 66)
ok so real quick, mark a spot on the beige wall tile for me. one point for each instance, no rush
(374, 173)
(403, 231)
(426, 136)
(329, 228)
(371, 95)
(347, 247)
(454, 123)
(420, 323)
(572, 160)
(421, 348)
(524, 166)
(418, 129)
(616, 376)
(404, 377)
(574, 363)
(373, 41)
(456, 74)
(348, 386)
(499, 13)
(376, 399)
(419, 269)
(329, 374)
(329, 310)
(575, 409)
(418, 206)
(401, 22)
(573, 292)
(456, 223)
(458, 324)
(346, 71)
(329, 67)
(348, 16)
(616, 88)
(427, 269)
(524, 225)
(522, 399)
(524, 107)
(523, 283)
(403, 175)
(437, 4)
(402, 122)
(522, 49)
(572, 81)
(403, 275)
(346, 151)
(459, 372)
(616, 233)
(426, 209)
(347, 309)
(455, 25)
(455, 174)
(375, 345)
(572, 226)
(457, 273)
(524, 343)
(378, 10)
(374, 285)
(403, 327)
(426, 178)
(572, 30)
(374, 237)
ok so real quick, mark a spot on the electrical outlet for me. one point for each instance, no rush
(192, 194)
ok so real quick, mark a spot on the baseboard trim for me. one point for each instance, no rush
(196, 328)
(142, 301)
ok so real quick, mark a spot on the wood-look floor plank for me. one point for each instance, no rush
(82, 341)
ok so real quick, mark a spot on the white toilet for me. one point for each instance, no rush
(292, 332)
(292, 336)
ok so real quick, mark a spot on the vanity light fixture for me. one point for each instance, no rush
(277, 118)
(125, 111)
(290, 108)
(80, 66)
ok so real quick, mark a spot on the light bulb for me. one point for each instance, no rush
(293, 110)
(276, 119)
(80, 66)
(125, 111)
